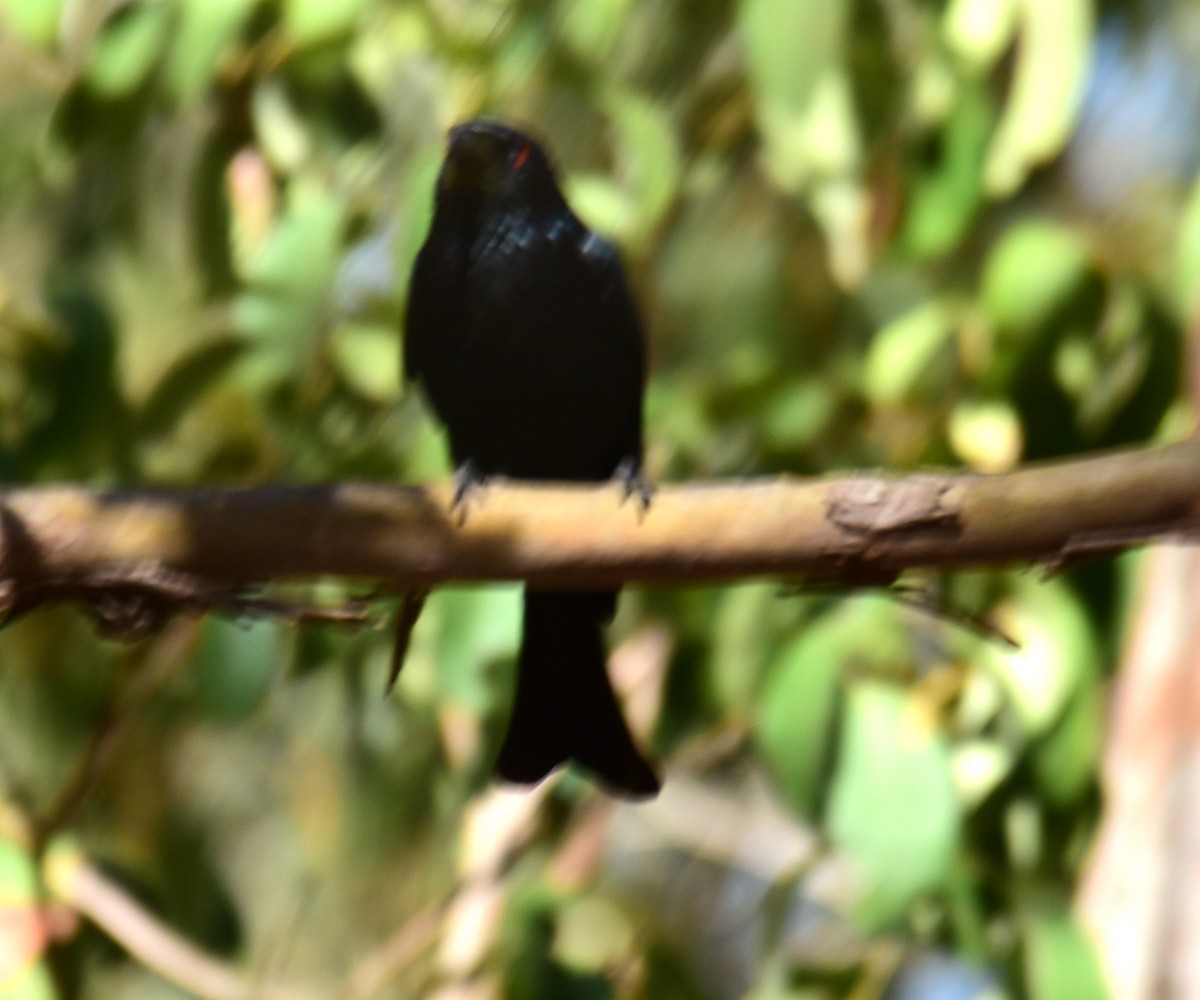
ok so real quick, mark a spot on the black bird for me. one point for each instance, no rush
(523, 335)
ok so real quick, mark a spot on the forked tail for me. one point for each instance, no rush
(565, 708)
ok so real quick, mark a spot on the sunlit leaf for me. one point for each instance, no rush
(127, 49)
(206, 30)
(806, 113)
(986, 434)
(980, 30)
(281, 129)
(1053, 57)
(36, 21)
(308, 22)
(591, 934)
(602, 203)
(775, 33)
(1187, 257)
(18, 873)
(979, 767)
(368, 357)
(903, 350)
(1059, 961)
(1057, 654)
(1031, 271)
(23, 928)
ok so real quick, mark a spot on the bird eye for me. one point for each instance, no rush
(521, 157)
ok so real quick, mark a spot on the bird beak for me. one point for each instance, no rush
(471, 163)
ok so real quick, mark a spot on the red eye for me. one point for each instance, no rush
(521, 158)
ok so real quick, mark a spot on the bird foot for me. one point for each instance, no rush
(634, 482)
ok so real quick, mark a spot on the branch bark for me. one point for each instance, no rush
(854, 529)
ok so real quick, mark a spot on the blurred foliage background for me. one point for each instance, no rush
(862, 232)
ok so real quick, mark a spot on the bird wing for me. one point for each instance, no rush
(421, 319)
(618, 326)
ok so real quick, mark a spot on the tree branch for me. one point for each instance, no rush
(862, 528)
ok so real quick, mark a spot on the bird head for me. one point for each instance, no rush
(487, 163)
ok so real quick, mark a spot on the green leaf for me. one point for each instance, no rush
(649, 154)
(1053, 59)
(127, 49)
(788, 47)
(903, 350)
(310, 22)
(980, 31)
(675, 409)
(303, 249)
(592, 28)
(943, 201)
(1030, 272)
(741, 636)
(986, 433)
(281, 130)
(1060, 964)
(802, 94)
(1187, 257)
(35, 21)
(799, 413)
(798, 710)
(591, 935)
(206, 30)
(23, 974)
(602, 203)
(1057, 657)
(474, 627)
(18, 874)
(979, 766)
(893, 809)
(1066, 762)
(289, 279)
(367, 356)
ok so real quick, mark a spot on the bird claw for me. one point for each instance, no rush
(468, 481)
(634, 482)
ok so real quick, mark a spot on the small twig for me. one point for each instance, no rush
(134, 602)
(163, 657)
(916, 595)
(924, 600)
(90, 892)
(147, 939)
(87, 890)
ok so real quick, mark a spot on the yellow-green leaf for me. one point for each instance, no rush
(1053, 57)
